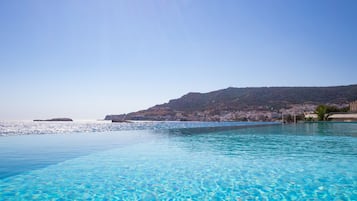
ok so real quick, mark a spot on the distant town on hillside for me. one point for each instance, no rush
(247, 104)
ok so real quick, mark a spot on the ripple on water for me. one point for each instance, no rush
(29, 127)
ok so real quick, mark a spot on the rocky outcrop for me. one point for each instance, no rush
(119, 117)
(121, 121)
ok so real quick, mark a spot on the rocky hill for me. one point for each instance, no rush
(236, 103)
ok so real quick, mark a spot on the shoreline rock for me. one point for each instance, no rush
(120, 121)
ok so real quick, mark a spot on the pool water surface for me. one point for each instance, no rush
(313, 161)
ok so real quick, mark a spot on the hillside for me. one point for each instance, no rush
(231, 102)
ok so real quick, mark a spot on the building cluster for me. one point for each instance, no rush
(353, 106)
(292, 113)
(259, 114)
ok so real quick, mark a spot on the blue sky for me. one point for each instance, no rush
(85, 59)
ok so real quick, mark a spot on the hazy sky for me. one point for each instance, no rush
(85, 59)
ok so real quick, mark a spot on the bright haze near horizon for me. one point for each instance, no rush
(86, 59)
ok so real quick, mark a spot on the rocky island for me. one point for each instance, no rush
(54, 119)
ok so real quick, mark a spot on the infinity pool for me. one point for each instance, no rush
(316, 161)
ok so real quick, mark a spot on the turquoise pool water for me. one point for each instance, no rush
(316, 161)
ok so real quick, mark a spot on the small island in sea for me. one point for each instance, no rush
(55, 119)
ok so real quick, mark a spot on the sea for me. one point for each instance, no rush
(100, 160)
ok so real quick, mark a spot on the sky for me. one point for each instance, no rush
(84, 59)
